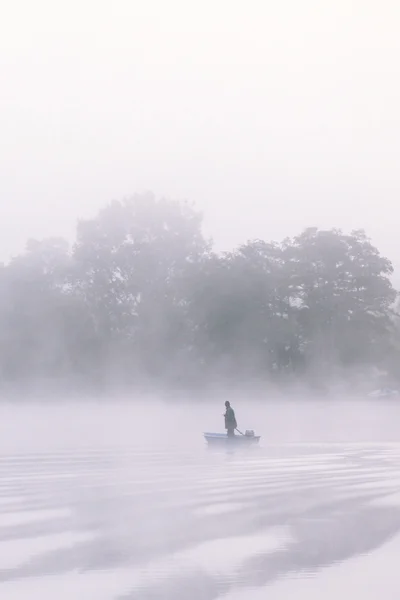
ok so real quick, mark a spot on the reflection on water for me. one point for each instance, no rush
(93, 511)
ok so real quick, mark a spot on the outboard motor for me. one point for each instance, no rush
(249, 433)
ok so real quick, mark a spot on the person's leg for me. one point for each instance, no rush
(231, 432)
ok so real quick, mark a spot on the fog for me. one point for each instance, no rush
(199, 204)
(123, 500)
(271, 117)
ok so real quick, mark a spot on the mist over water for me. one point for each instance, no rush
(198, 204)
(123, 500)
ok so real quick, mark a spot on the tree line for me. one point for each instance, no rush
(142, 299)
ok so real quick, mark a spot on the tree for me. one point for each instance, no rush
(141, 298)
(132, 262)
(40, 321)
(344, 295)
(243, 315)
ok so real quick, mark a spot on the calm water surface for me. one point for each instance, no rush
(119, 502)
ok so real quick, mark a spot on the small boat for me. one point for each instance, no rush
(222, 438)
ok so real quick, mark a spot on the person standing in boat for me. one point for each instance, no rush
(230, 419)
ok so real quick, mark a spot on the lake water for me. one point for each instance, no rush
(118, 501)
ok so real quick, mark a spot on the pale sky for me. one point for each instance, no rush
(270, 115)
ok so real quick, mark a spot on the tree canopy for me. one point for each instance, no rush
(141, 298)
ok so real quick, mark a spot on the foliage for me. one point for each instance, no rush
(141, 298)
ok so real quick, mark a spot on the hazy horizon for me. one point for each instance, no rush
(270, 117)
